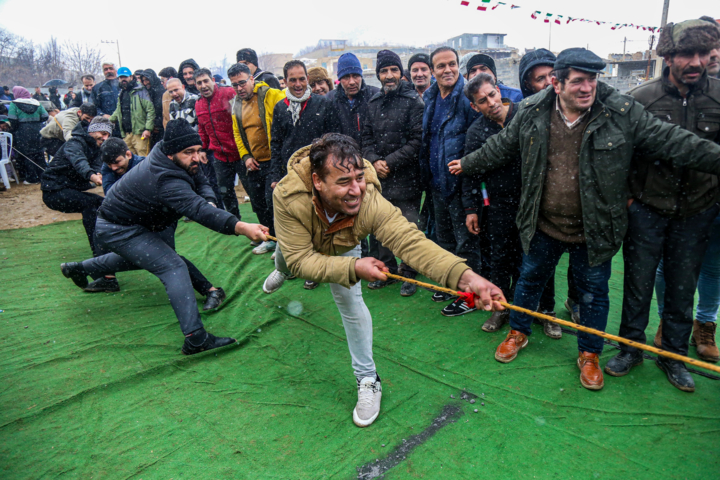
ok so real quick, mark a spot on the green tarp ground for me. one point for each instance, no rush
(94, 385)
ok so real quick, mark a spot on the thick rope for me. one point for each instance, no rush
(581, 328)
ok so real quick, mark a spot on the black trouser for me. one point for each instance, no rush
(452, 233)
(209, 171)
(134, 248)
(411, 211)
(74, 201)
(681, 243)
(52, 145)
(33, 164)
(260, 193)
(199, 282)
(225, 173)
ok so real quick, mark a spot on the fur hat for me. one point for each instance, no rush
(688, 36)
(315, 74)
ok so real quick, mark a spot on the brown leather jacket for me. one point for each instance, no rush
(677, 191)
(311, 247)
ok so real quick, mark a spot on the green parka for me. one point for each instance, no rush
(141, 109)
(619, 129)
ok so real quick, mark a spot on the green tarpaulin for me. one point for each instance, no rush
(94, 385)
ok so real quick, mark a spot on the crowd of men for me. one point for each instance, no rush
(474, 184)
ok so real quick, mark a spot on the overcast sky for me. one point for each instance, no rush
(155, 34)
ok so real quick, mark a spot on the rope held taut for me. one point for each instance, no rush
(581, 328)
(470, 297)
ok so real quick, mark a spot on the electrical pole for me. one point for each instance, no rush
(117, 44)
(550, 36)
(624, 47)
(666, 7)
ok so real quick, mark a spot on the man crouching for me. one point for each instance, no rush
(329, 201)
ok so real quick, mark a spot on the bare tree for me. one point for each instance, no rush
(82, 59)
(51, 60)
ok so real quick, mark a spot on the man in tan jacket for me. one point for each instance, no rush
(329, 201)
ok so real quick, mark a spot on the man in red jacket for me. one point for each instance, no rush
(215, 126)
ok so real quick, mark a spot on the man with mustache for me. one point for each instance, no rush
(392, 137)
(134, 220)
(672, 209)
(330, 200)
(135, 113)
(503, 188)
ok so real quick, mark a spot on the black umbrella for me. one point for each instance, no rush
(56, 82)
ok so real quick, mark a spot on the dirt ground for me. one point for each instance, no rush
(22, 207)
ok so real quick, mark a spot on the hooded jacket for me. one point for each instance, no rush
(531, 60)
(267, 78)
(105, 96)
(267, 98)
(142, 111)
(27, 117)
(188, 63)
(352, 118)
(676, 191)
(451, 138)
(61, 126)
(157, 193)
(311, 245)
(619, 132)
(393, 132)
(215, 124)
(156, 92)
(316, 119)
(73, 164)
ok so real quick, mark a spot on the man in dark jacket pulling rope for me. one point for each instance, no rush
(137, 213)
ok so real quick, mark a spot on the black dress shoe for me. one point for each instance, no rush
(211, 342)
(309, 284)
(214, 299)
(408, 289)
(103, 284)
(75, 272)
(378, 284)
(677, 373)
(621, 364)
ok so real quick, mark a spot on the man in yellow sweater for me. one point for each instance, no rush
(252, 122)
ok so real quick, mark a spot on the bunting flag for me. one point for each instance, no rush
(557, 19)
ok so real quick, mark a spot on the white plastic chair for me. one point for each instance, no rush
(6, 141)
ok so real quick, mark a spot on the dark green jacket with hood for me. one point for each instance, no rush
(619, 131)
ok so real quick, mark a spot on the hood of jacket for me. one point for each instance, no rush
(531, 60)
(27, 105)
(299, 178)
(155, 82)
(187, 63)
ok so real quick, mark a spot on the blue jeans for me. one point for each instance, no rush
(708, 283)
(592, 285)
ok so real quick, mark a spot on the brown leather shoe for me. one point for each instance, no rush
(703, 337)
(509, 348)
(591, 376)
(658, 336)
(496, 321)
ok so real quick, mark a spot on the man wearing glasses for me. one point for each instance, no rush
(252, 110)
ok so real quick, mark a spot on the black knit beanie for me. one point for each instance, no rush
(387, 58)
(419, 57)
(481, 59)
(179, 135)
(247, 55)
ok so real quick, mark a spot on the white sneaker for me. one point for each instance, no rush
(264, 247)
(272, 257)
(274, 281)
(368, 405)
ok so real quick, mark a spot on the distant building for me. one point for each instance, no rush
(477, 41)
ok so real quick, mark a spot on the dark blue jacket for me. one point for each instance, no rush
(109, 177)
(351, 119)
(157, 193)
(105, 96)
(451, 137)
(512, 94)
